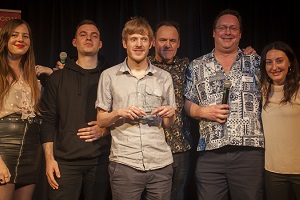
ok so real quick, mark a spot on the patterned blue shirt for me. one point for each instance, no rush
(204, 86)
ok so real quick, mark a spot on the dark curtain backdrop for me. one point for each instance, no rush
(53, 23)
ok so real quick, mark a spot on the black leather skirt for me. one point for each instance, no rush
(20, 148)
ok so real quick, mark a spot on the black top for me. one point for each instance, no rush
(68, 104)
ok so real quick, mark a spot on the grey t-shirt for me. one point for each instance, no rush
(140, 143)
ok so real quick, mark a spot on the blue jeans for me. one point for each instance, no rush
(180, 166)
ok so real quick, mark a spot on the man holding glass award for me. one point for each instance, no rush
(136, 100)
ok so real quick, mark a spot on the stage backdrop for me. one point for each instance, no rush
(7, 14)
(53, 23)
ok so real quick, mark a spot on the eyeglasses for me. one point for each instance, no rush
(224, 28)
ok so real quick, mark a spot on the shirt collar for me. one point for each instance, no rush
(124, 69)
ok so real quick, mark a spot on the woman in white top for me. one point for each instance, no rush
(20, 148)
(281, 120)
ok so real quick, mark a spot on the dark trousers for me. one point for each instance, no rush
(180, 175)
(128, 183)
(235, 170)
(91, 181)
(282, 186)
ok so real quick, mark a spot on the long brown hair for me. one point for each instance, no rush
(291, 85)
(27, 64)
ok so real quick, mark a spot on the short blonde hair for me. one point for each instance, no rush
(137, 25)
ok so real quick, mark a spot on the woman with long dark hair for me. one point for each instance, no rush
(281, 116)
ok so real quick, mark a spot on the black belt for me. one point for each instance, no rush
(17, 118)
